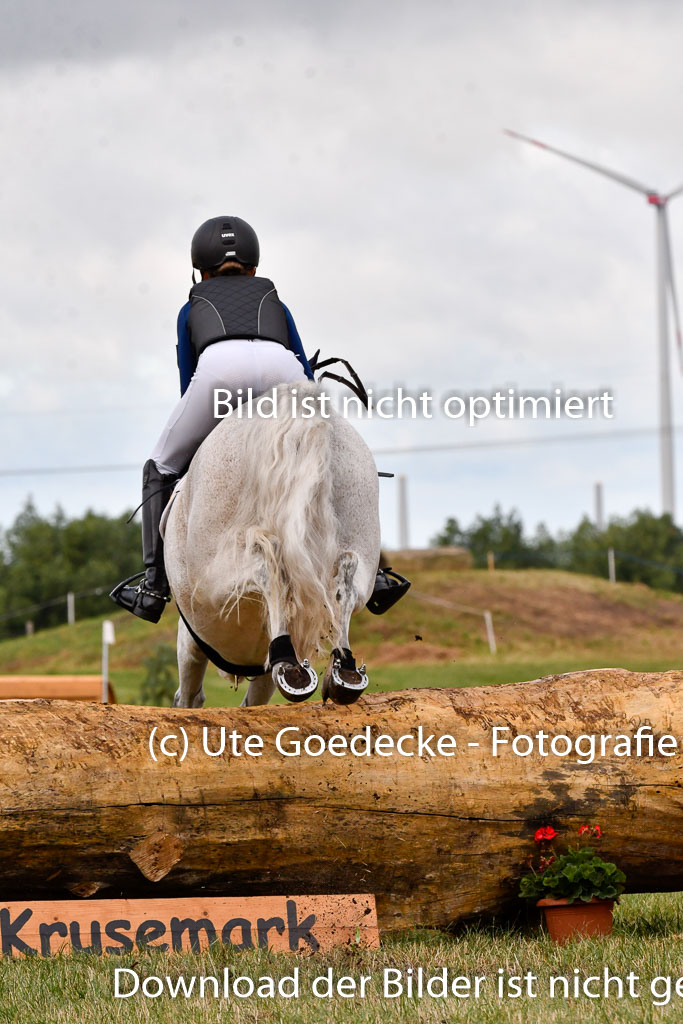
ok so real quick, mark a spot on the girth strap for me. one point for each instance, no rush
(217, 659)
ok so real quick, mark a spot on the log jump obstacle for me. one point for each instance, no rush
(438, 835)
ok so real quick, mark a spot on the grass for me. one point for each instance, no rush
(483, 672)
(648, 941)
(546, 622)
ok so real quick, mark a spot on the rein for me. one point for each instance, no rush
(355, 384)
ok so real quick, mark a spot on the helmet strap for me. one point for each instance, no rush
(193, 277)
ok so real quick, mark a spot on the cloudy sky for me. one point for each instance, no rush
(402, 227)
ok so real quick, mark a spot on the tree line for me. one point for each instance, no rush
(648, 548)
(44, 557)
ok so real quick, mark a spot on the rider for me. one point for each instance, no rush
(228, 310)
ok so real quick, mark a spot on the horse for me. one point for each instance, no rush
(272, 543)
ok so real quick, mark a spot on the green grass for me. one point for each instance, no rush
(220, 693)
(647, 941)
(484, 672)
(546, 622)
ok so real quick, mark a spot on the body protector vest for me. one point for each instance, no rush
(236, 306)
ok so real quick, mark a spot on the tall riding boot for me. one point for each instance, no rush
(148, 599)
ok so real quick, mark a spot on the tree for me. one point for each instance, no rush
(451, 536)
(502, 533)
(42, 559)
(648, 548)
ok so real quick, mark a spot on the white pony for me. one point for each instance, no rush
(271, 545)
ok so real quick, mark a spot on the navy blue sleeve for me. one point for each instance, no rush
(295, 342)
(186, 361)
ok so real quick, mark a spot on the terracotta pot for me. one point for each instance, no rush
(577, 920)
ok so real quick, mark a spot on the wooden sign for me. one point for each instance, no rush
(285, 923)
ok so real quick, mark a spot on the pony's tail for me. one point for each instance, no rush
(283, 535)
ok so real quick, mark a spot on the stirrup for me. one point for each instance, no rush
(390, 587)
(140, 589)
(124, 583)
(140, 600)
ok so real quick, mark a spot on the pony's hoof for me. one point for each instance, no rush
(343, 683)
(295, 682)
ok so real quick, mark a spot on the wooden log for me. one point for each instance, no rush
(437, 838)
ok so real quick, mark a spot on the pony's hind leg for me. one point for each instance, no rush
(192, 664)
(343, 682)
(261, 689)
(295, 681)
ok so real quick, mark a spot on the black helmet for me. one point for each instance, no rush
(224, 238)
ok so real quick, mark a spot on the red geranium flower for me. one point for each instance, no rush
(545, 834)
(584, 829)
(597, 831)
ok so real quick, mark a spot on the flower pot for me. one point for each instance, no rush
(577, 920)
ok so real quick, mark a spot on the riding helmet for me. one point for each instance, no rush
(224, 238)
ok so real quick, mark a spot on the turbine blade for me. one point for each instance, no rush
(672, 288)
(676, 192)
(614, 175)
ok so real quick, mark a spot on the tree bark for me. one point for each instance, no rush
(438, 839)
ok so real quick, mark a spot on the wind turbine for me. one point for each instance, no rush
(665, 289)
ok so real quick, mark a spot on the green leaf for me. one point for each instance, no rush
(577, 874)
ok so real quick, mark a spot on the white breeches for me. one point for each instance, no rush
(260, 365)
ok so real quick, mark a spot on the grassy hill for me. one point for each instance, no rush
(545, 622)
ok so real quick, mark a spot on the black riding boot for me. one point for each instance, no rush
(390, 587)
(150, 596)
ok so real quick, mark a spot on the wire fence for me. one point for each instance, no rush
(485, 613)
(27, 612)
(647, 562)
(34, 609)
(613, 555)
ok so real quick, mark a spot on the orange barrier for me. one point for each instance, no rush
(18, 687)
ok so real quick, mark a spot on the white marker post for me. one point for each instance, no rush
(599, 508)
(403, 537)
(108, 638)
(490, 635)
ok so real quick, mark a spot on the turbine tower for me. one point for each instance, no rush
(666, 289)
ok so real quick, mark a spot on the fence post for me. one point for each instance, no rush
(490, 560)
(403, 528)
(108, 638)
(29, 627)
(611, 567)
(490, 635)
(70, 608)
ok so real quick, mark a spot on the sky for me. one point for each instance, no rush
(403, 229)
